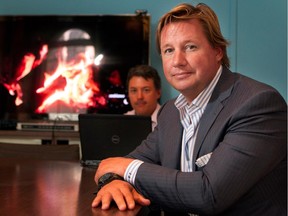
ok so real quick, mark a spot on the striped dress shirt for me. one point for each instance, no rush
(190, 115)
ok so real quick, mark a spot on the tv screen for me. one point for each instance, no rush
(65, 65)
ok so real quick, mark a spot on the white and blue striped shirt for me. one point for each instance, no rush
(190, 115)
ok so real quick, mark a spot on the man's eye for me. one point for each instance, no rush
(146, 90)
(132, 91)
(167, 51)
(191, 47)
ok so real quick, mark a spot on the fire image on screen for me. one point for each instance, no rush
(69, 64)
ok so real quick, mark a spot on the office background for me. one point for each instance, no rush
(257, 30)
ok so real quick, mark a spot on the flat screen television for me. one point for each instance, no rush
(53, 65)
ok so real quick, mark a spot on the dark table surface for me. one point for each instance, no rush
(49, 188)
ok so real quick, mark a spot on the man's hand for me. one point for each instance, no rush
(123, 193)
(116, 165)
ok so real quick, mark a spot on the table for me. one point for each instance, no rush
(49, 188)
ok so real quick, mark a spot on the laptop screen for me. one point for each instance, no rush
(110, 135)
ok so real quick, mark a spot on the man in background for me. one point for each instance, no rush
(144, 91)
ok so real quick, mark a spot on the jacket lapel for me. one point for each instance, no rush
(221, 92)
(175, 159)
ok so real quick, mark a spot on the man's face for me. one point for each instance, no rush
(143, 95)
(189, 61)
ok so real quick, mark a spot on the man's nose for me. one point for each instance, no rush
(179, 58)
(139, 94)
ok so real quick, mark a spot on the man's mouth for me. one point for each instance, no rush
(182, 75)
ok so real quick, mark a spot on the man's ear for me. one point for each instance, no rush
(159, 94)
(219, 53)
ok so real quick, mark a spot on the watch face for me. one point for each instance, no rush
(105, 177)
(108, 177)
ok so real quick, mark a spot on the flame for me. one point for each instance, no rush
(79, 88)
(27, 64)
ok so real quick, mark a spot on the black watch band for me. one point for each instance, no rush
(107, 178)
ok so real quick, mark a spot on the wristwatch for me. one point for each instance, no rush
(107, 178)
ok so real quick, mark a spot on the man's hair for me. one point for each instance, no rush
(147, 72)
(208, 20)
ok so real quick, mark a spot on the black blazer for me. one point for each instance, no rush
(244, 126)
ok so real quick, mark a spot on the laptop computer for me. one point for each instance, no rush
(110, 135)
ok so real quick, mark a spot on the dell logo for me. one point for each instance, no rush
(115, 139)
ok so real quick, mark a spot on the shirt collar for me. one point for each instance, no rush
(154, 114)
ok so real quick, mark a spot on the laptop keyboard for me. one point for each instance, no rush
(90, 163)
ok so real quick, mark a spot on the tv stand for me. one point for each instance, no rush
(39, 137)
